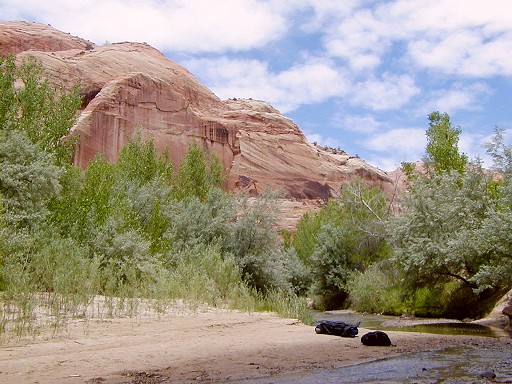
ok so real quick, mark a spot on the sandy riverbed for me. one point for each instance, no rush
(207, 345)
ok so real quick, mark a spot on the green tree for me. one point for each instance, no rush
(496, 228)
(8, 92)
(453, 228)
(437, 235)
(28, 180)
(140, 162)
(450, 216)
(442, 152)
(36, 108)
(346, 235)
(199, 172)
(255, 244)
(500, 152)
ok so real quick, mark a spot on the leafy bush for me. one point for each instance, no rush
(344, 236)
(44, 114)
(378, 290)
(197, 174)
(28, 179)
(255, 244)
(442, 233)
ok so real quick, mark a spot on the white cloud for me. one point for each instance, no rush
(355, 123)
(458, 97)
(467, 53)
(360, 39)
(461, 37)
(390, 149)
(236, 78)
(324, 12)
(408, 143)
(392, 91)
(386, 162)
(305, 83)
(176, 25)
(312, 82)
(472, 143)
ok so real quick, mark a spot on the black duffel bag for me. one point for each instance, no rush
(337, 328)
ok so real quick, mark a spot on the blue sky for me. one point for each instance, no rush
(358, 75)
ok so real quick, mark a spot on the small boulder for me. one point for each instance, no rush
(508, 312)
(488, 375)
(376, 338)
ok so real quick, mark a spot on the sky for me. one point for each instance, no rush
(358, 75)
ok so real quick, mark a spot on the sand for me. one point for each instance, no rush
(206, 345)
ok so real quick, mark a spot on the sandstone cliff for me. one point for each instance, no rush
(132, 87)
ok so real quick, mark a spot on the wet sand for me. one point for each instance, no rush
(209, 345)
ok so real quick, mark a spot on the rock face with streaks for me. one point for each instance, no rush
(133, 88)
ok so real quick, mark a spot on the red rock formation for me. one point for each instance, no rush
(20, 36)
(130, 87)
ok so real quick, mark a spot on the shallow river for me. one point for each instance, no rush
(455, 365)
(467, 364)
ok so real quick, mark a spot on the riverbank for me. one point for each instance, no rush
(205, 345)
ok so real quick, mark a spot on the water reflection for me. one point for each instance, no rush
(466, 329)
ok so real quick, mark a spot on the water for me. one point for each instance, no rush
(465, 364)
(455, 365)
(466, 329)
(393, 323)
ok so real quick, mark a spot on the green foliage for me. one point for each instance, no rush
(442, 152)
(378, 290)
(409, 169)
(346, 235)
(44, 114)
(305, 236)
(28, 179)
(455, 227)
(255, 244)
(286, 304)
(452, 238)
(199, 172)
(193, 221)
(128, 231)
(125, 197)
(140, 163)
(438, 236)
(8, 74)
(204, 274)
(500, 152)
(332, 264)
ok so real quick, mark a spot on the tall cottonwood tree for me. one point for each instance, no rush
(45, 114)
(442, 151)
(34, 117)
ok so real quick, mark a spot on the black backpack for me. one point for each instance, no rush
(376, 338)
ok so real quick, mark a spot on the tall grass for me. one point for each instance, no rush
(49, 292)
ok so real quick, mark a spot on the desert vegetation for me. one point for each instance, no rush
(143, 231)
(442, 248)
(137, 231)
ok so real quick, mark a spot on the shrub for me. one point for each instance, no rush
(377, 290)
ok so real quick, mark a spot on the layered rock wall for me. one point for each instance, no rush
(132, 87)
